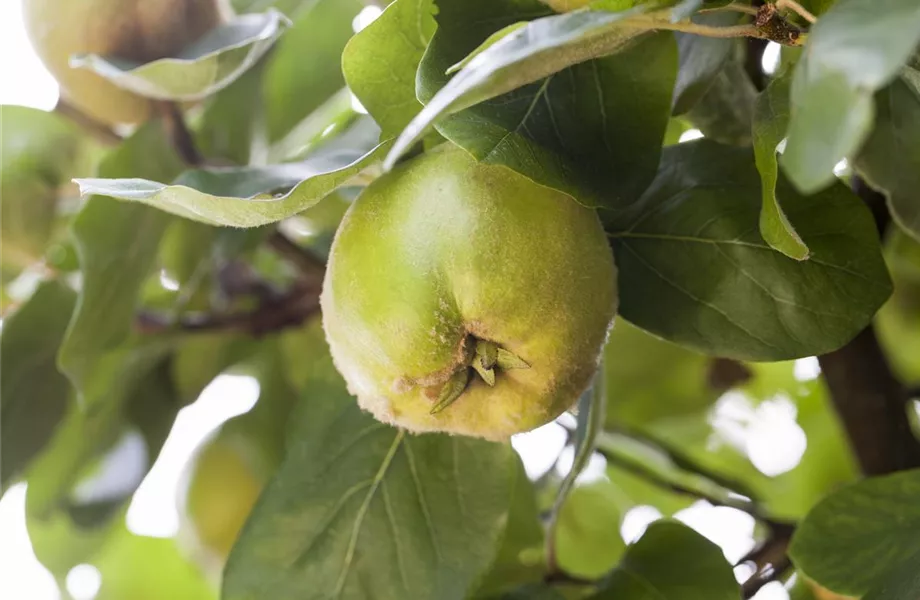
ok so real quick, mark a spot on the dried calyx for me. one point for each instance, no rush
(482, 358)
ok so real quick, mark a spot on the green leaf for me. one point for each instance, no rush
(145, 568)
(33, 393)
(543, 47)
(563, 131)
(640, 390)
(520, 556)
(854, 49)
(305, 68)
(671, 562)
(38, 153)
(902, 584)
(362, 510)
(198, 70)
(242, 196)
(587, 534)
(854, 539)
(771, 118)
(380, 62)
(693, 236)
(232, 125)
(117, 244)
(701, 60)
(725, 112)
(721, 442)
(890, 159)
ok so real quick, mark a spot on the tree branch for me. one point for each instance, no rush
(178, 133)
(99, 131)
(870, 401)
(770, 560)
(308, 265)
(872, 405)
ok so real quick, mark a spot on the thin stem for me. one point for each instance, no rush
(179, 135)
(734, 7)
(797, 9)
(770, 560)
(99, 131)
(734, 31)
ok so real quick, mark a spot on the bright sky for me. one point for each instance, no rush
(769, 432)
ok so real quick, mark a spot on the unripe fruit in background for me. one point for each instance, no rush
(465, 298)
(137, 30)
(222, 483)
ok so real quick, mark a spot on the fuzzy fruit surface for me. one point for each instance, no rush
(445, 251)
(137, 30)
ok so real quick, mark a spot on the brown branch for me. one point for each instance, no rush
(871, 402)
(310, 266)
(872, 405)
(770, 559)
(288, 310)
(178, 133)
(99, 131)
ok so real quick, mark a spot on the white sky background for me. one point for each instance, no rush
(24, 81)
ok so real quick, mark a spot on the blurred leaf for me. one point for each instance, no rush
(703, 210)
(853, 50)
(649, 378)
(671, 561)
(243, 196)
(380, 62)
(198, 70)
(548, 44)
(701, 60)
(588, 542)
(33, 394)
(771, 118)
(305, 68)
(520, 556)
(117, 244)
(725, 112)
(721, 442)
(857, 538)
(890, 159)
(204, 356)
(38, 153)
(233, 122)
(362, 510)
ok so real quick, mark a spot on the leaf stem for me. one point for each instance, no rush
(98, 131)
(797, 9)
(734, 7)
(179, 134)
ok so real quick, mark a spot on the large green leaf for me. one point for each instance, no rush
(694, 270)
(587, 535)
(725, 112)
(33, 393)
(243, 196)
(771, 118)
(380, 62)
(671, 562)
(853, 50)
(901, 584)
(117, 243)
(856, 538)
(200, 69)
(38, 152)
(520, 557)
(362, 510)
(546, 45)
(566, 130)
(701, 60)
(305, 67)
(890, 159)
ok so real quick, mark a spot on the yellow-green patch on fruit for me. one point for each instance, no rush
(446, 270)
(138, 30)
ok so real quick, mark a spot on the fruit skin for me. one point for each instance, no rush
(444, 247)
(138, 30)
(222, 484)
